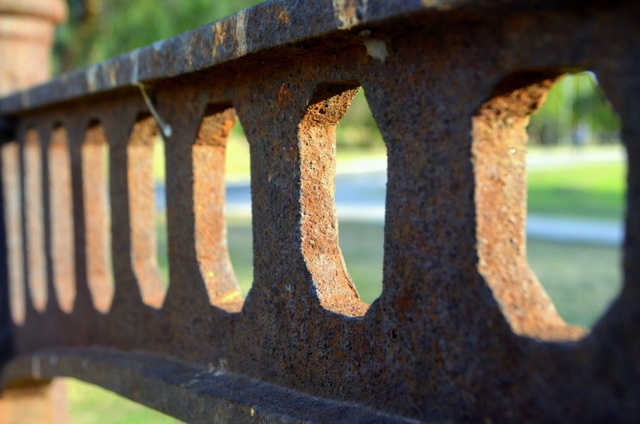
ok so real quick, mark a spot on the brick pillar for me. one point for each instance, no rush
(26, 37)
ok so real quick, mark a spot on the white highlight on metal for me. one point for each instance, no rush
(167, 131)
(377, 49)
(92, 82)
(241, 33)
(221, 369)
(112, 75)
(157, 46)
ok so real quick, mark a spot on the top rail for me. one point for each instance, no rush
(265, 27)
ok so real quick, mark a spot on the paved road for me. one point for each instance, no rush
(361, 197)
(360, 192)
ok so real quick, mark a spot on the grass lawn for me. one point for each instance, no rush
(589, 190)
(581, 279)
(361, 245)
(89, 404)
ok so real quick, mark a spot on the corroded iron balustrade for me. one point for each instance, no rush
(462, 331)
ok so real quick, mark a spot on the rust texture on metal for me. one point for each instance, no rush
(462, 331)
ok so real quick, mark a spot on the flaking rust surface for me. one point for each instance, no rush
(462, 331)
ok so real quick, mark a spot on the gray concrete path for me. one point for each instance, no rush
(361, 185)
(361, 198)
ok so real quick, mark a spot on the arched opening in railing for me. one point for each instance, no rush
(61, 216)
(238, 211)
(360, 191)
(97, 216)
(576, 168)
(33, 210)
(576, 282)
(146, 216)
(320, 234)
(213, 154)
(13, 224)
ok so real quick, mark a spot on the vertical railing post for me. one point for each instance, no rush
(26, 37)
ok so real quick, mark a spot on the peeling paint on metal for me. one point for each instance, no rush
(376, 48)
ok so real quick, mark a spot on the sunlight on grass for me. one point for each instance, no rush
(589, 190)
(162, 247)
(89, 404)
(237, 165)
(581, 279)
(361, 245)
(237, 148)
(240, 249)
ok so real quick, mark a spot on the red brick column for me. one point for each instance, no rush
(26, 37)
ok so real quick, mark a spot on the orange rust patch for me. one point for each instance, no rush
(283, 16)
(285, 96)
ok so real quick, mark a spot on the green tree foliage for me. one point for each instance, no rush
(358, 129)
(575, 111)
(99, 29)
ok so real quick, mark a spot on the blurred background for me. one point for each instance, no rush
(576, 172)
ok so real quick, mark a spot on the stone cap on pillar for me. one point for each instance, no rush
(26, 37)
(52, 10)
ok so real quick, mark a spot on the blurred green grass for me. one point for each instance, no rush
(584, 190)
(89, 404)
(581, 279)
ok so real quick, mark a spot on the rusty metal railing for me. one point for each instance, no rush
(462, 330)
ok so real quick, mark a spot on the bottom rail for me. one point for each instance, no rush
(190, 393)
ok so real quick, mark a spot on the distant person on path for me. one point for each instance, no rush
(580, 135)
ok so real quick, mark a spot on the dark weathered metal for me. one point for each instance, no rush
(462, 330)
